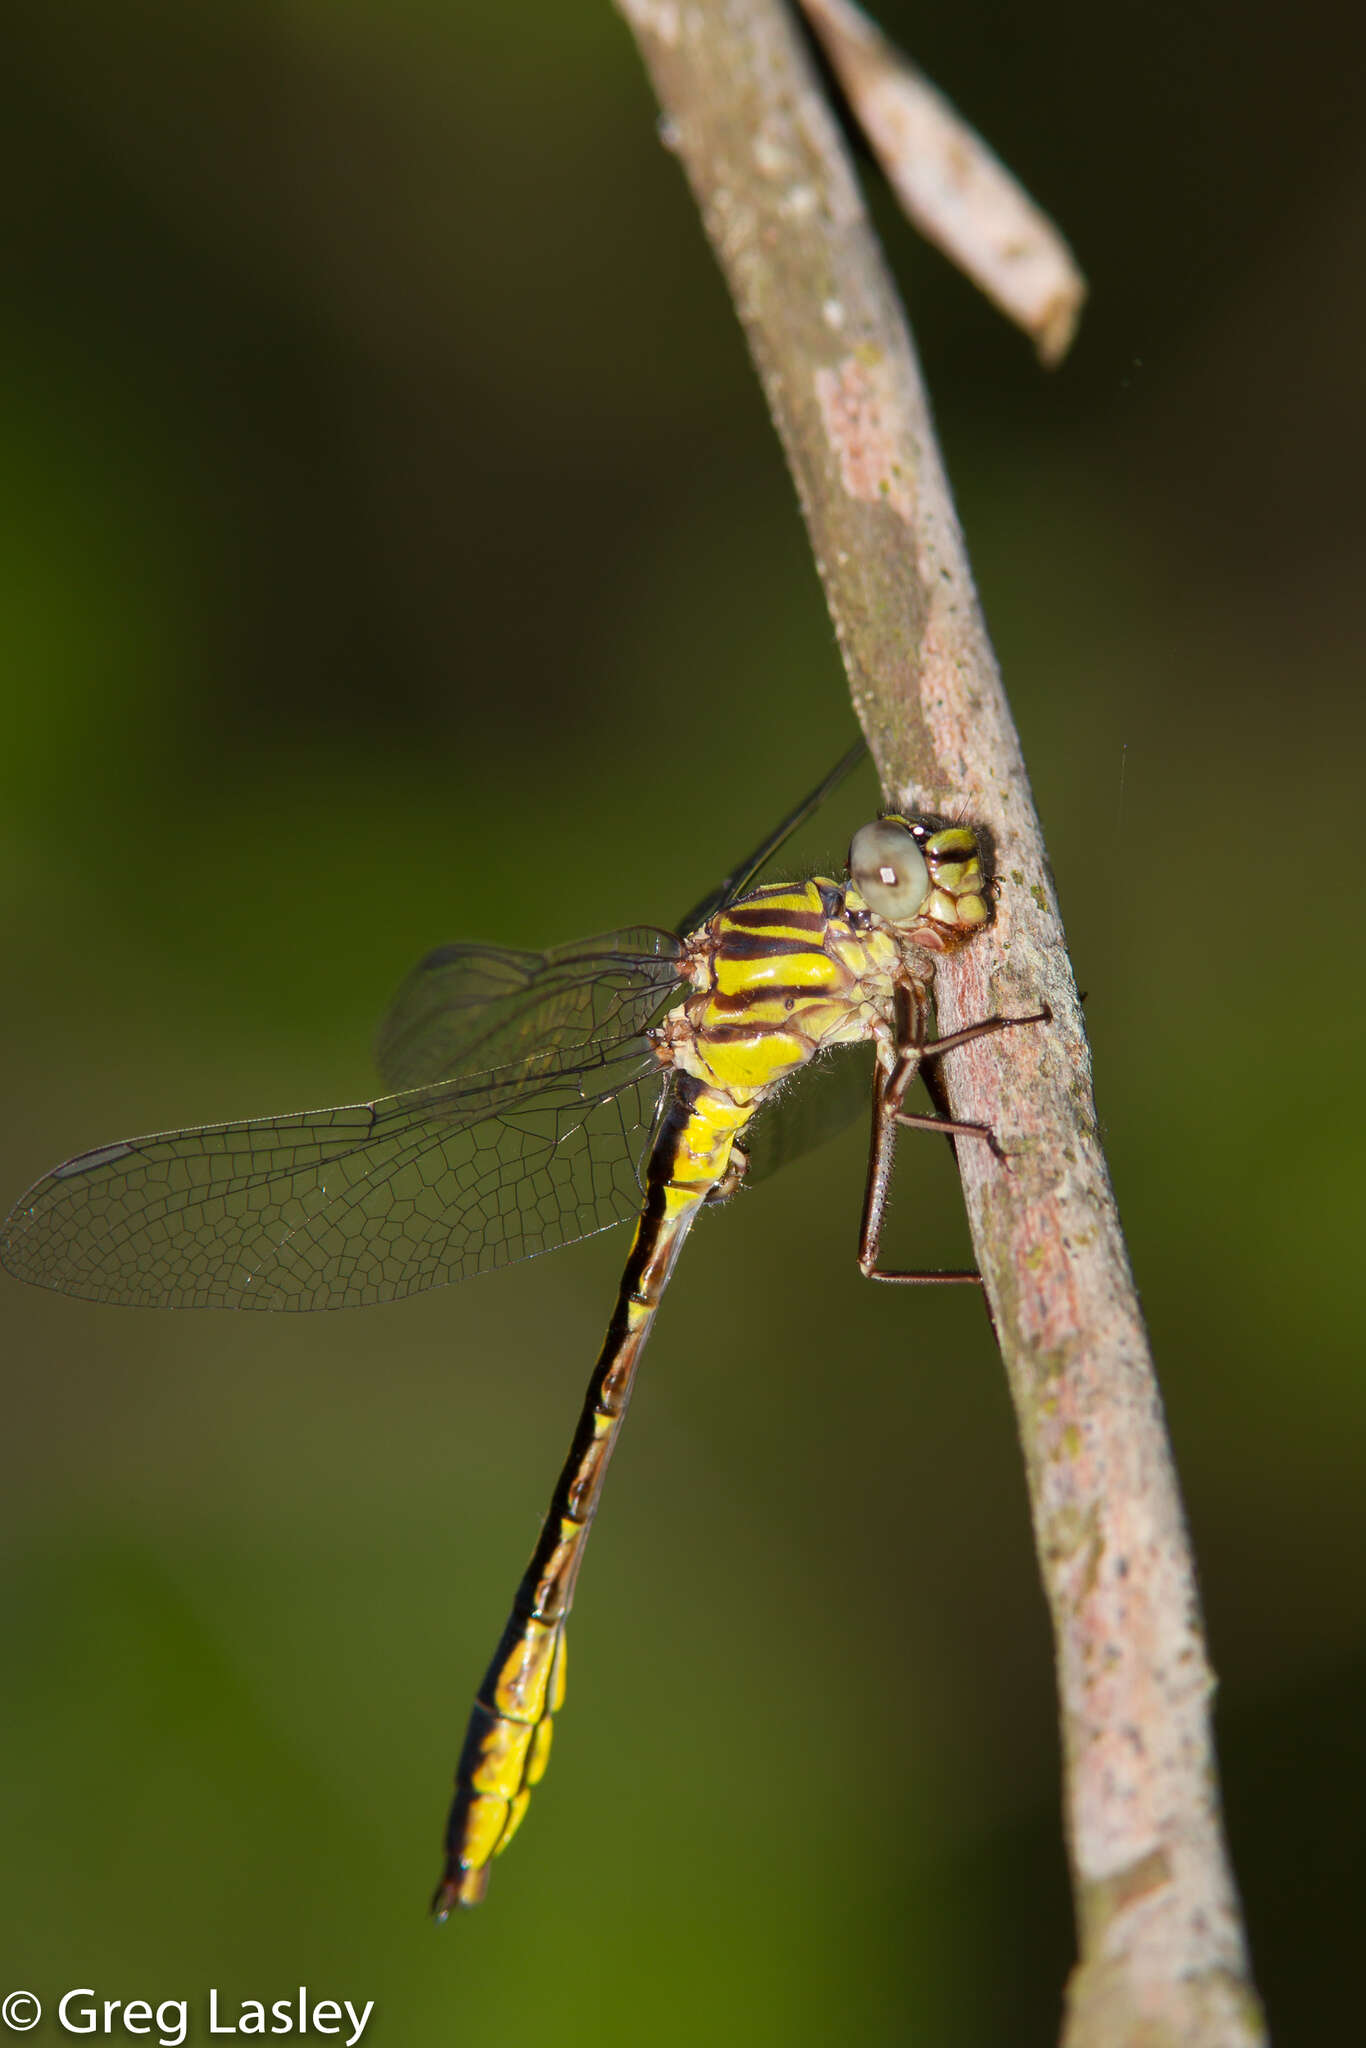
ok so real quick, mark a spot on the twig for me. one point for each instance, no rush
(1163, 1960)
(957, 192)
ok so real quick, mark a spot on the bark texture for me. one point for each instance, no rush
(1163, 1962)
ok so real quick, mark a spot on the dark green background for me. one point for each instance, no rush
(396, 550)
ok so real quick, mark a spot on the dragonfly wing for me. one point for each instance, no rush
(738, 880)
(334, 1208)
(466, 1009)
(817, 1106)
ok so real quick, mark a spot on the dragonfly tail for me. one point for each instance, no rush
(507, 1743)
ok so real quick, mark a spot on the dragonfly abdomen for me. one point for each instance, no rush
(507, 1743)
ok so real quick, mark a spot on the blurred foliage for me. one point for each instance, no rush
(392, 534)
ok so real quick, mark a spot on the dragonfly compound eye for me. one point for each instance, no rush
(889, 871)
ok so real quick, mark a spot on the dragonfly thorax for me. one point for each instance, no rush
(795, 967)
(786, 972)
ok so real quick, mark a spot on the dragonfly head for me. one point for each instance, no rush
(927, 883)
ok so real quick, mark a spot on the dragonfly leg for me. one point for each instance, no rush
(932, 1048)
(889, 1091)
(949, 1127)
(880, 1154)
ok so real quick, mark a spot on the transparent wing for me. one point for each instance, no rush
(332, 1208)
(738, 880)
(466, 1009)
(819, 1104)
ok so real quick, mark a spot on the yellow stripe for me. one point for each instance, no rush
(519, 1807)
(810, 968)
(503, 1752)
(485, 1819)
(540, 1752)
(520, 1692)
(755, 1061)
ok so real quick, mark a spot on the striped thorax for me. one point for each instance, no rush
(794, 968)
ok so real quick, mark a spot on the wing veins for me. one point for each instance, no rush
(179, 1219)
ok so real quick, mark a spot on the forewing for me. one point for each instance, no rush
(733, 885)
(333, 1208)
(466, 1009)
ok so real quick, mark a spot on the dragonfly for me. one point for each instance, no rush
(537, 1098)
